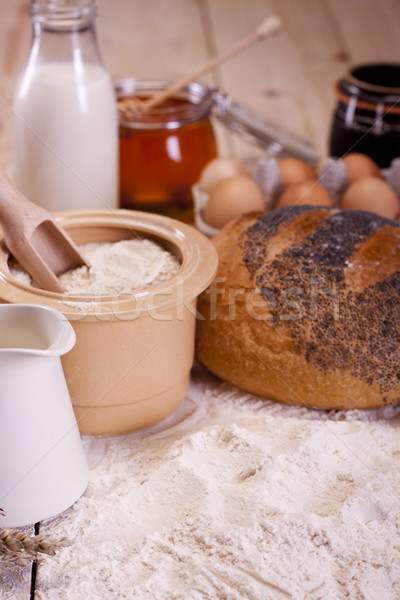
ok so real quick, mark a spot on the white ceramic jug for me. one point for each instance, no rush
(43, 469)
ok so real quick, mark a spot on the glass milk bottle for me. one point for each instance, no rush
(65, 118)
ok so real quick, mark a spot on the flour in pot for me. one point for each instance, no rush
(116, 268)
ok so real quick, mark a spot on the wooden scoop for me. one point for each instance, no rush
(34, 237)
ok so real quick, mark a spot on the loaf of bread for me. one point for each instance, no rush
(305, 308)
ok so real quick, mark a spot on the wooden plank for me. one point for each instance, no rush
(15, 31)
(369, 30)
(15, 583)
(287, 78)
(154, 39)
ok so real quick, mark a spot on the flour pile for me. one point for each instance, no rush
(241, 499)
(121, 267)
(116, 268)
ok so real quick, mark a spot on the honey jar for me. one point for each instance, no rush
(163, 151)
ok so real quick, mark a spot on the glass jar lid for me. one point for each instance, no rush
(192, 103)
(256, 130)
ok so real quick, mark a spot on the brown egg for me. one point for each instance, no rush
(359, 166)
(373, 195)
(304, 193)
(218, 169)
(293, 170)
(230, 198)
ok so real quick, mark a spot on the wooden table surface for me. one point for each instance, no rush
(288, 79)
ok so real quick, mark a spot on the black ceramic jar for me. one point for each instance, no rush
(367, 115)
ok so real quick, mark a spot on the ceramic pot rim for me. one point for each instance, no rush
(198, 268)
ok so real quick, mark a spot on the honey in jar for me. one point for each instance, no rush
(163, 151)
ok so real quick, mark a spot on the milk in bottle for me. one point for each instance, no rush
(65, 120)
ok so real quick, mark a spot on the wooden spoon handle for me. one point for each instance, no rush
(268, 27)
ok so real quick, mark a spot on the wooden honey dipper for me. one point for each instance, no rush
(269, 26)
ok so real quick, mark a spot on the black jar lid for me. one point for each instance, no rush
(374, 83)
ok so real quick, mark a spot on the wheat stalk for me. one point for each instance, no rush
(20, 547)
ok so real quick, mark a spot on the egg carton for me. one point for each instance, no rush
(332, 176)
(200, 200)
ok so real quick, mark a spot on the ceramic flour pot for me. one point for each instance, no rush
(130, 366)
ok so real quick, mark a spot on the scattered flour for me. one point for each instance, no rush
(236, 498)
(116, 268)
